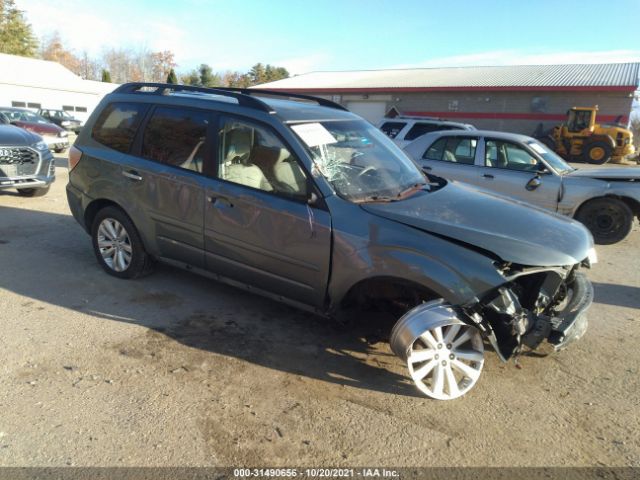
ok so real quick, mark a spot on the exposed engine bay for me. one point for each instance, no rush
(537, 304)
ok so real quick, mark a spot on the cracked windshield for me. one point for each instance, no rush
(359, 161)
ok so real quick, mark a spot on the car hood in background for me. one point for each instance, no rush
(40, 128)
(607, 173)
(511, 230)
(14, 136)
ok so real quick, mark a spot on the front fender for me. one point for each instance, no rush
(369, 246)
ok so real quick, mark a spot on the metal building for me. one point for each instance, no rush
(33, 83)
(509, 98)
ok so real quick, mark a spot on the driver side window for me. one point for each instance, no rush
(254, 156)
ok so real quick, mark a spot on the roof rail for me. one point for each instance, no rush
(165, 88)
(245, 96)
(280, 93)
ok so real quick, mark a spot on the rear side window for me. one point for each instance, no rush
(117, 124)
(392, 129)
(453, 149)
(421, 128)
(177, 137)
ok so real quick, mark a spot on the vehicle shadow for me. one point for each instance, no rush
(620, 295)
(48, 258)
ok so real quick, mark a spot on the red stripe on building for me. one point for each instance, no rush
(345, 91)
(555, 117)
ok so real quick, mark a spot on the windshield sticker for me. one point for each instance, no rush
(538, 148)
(314, 134)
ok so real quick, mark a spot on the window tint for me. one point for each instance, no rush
(509, 155)
(116, 126)
(453, 149)
(420, 129)
(392, 129)
(254, 156)
(176, 137)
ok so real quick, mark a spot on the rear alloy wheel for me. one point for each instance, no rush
(446, 362)
(597, 153)
(609, 219)
(117, 244)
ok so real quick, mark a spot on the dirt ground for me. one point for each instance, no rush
(177, 370)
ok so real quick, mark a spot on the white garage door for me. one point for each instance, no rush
(372, 111)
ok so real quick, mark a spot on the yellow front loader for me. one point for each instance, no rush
(581, 138)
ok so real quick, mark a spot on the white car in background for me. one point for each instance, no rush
(404, 129)
(605, 200)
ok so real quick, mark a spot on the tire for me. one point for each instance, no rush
(608, 219)
(597, 153)
(117, 245)
(33, 192)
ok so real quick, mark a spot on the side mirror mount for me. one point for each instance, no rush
(312, 200)
(542, 169)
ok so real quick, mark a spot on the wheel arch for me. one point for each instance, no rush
(632, 203)
(95, 206)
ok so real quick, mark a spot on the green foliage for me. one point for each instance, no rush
(171, 78)
(106, 76)
(208, 78)
(16, 36)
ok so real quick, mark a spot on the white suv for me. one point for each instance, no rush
(404, 129)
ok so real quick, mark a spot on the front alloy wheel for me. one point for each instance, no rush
(446, 362)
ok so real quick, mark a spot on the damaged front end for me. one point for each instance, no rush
(442, 344)
(534, 306)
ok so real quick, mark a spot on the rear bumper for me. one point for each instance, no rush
(571, 323)
(74, 198)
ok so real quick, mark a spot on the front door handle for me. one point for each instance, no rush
(487, 175)
(427, 168)
(215, 199)
(132, 175)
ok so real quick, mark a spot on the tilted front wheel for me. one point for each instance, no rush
(446, 362)
(597, 153)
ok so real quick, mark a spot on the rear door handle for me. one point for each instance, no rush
(487, 175)
(132, 175)
(214, 199)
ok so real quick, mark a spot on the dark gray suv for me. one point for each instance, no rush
(295, 198)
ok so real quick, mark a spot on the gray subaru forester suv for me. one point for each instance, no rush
(295, 198)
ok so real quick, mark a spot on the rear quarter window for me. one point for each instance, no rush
(392, 129)
(117, 124)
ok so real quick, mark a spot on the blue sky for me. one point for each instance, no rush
(349, 34)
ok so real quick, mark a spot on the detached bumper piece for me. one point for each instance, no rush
(571, 323)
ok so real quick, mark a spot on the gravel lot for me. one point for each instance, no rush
(177, 370)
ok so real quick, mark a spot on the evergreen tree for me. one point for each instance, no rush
(106, 76)
(16, 36)
(171, 78)
(207, 77)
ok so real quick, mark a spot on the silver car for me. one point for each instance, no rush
(606, 200)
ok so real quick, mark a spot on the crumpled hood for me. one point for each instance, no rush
(14, 136)
(610, 173)
(511, 230)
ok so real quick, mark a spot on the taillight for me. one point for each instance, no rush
(74, 157)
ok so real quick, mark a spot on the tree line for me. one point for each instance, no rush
(119, 65)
